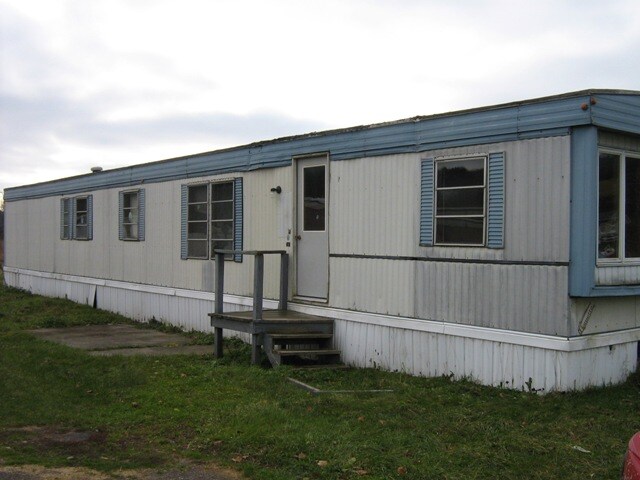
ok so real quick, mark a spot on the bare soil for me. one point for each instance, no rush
(89, 443)
(38, 472)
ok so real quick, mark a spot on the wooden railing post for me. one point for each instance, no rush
(219, 286)
(258, 282)
(219, 303)
(284, 281)
(258, 279)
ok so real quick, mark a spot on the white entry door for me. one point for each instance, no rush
(312, 257)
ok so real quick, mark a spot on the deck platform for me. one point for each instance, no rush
(281, 321)
(282, 333)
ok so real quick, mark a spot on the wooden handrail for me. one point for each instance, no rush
(258, 278)
(258, 286)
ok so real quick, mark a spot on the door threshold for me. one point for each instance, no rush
(315, 300)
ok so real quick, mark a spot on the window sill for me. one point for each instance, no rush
(618, 263)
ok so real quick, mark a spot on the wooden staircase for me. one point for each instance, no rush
(286, 337)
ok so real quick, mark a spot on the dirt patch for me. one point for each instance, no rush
(76, 444)
(37, 472)
(70, 442)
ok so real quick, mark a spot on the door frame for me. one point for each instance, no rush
(295, 160)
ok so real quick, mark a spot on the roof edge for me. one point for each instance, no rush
(322, 133)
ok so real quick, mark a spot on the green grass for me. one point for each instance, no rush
(150, 411)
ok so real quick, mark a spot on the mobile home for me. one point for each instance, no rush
(500, 243)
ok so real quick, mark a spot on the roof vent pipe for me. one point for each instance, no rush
(96, 169)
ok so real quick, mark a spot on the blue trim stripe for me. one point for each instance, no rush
(532, 119)
(426, 202)
(237, 217)
(495, 207)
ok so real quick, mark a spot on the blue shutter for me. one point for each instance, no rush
(141, 215)
(120, 215)
(89, 217)
(237, 217)
(62, 202)
(426, 202)
(184, 195)
(495, 209)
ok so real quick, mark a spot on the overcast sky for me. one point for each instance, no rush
(121, 82)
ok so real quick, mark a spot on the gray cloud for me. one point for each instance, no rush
(39, 110)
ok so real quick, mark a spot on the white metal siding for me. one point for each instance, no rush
(375, 203)
(25, 244)
(518, 297)
(36, 244)
(490, 356)
(595, 315)
(617, 275)
(488, 362)
(375, 212)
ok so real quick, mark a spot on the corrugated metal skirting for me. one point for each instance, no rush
(372, 345)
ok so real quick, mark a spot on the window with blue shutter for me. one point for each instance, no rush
(462, 201)
(211, 219)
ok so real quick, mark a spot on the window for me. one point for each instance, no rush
(314, 199)
(197, 221)
(76, 218)
(618, 206)
(81, 218)
(460, 201)
(221, 216)
(212, 219)
(131, 205)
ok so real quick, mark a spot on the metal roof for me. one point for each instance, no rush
(554, 115)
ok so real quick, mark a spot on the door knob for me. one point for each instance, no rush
(298, 237)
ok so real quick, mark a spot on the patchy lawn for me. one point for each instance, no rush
(64, 408)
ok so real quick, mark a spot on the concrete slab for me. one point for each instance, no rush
(154, 351)
(121, 340)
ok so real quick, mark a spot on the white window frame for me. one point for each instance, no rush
(436, 189)
(209, 220)
(212, 220)
(77, 214)
(621, 259)
(124, 216)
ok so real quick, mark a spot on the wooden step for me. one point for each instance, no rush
(320, 339)
(321, 366)
(288, 353)
(295, 336)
